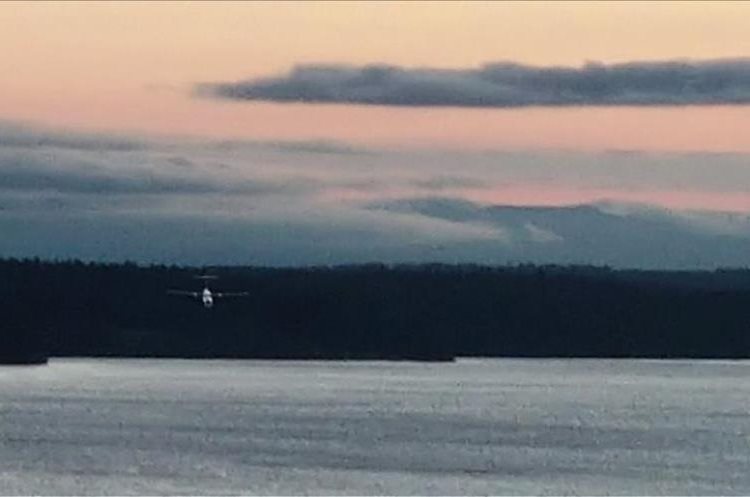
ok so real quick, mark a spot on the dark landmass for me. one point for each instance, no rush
(20, 345)
(12, 359)
(406, 312)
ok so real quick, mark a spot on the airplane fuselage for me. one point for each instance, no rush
(207, 298)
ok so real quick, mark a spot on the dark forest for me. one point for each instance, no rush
(419, 312)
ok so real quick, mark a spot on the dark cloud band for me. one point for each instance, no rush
(503, 85)
(16, 135)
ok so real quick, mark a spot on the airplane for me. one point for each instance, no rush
(207, 296)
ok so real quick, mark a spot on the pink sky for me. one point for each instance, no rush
(129, 67)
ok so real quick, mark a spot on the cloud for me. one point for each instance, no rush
(503, 84)
(301, 147)
(74, 174)
(289, 203)
(541, 235)
(285, 236)
(17, 135)
(316, 171)
(448, 182)
(192, 201)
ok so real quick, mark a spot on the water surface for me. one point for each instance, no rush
(88, 426)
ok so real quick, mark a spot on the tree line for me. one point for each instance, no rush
(375, 311)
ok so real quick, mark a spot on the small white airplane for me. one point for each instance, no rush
(207, 296)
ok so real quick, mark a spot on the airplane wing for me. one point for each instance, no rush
(231, 294)
(185, 293)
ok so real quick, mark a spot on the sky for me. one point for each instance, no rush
(333, 132)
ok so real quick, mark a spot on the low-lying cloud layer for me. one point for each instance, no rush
(503, 84)
(290, 203)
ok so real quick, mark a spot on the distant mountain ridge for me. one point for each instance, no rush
(623, 236)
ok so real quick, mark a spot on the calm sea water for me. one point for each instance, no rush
(88, 426)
